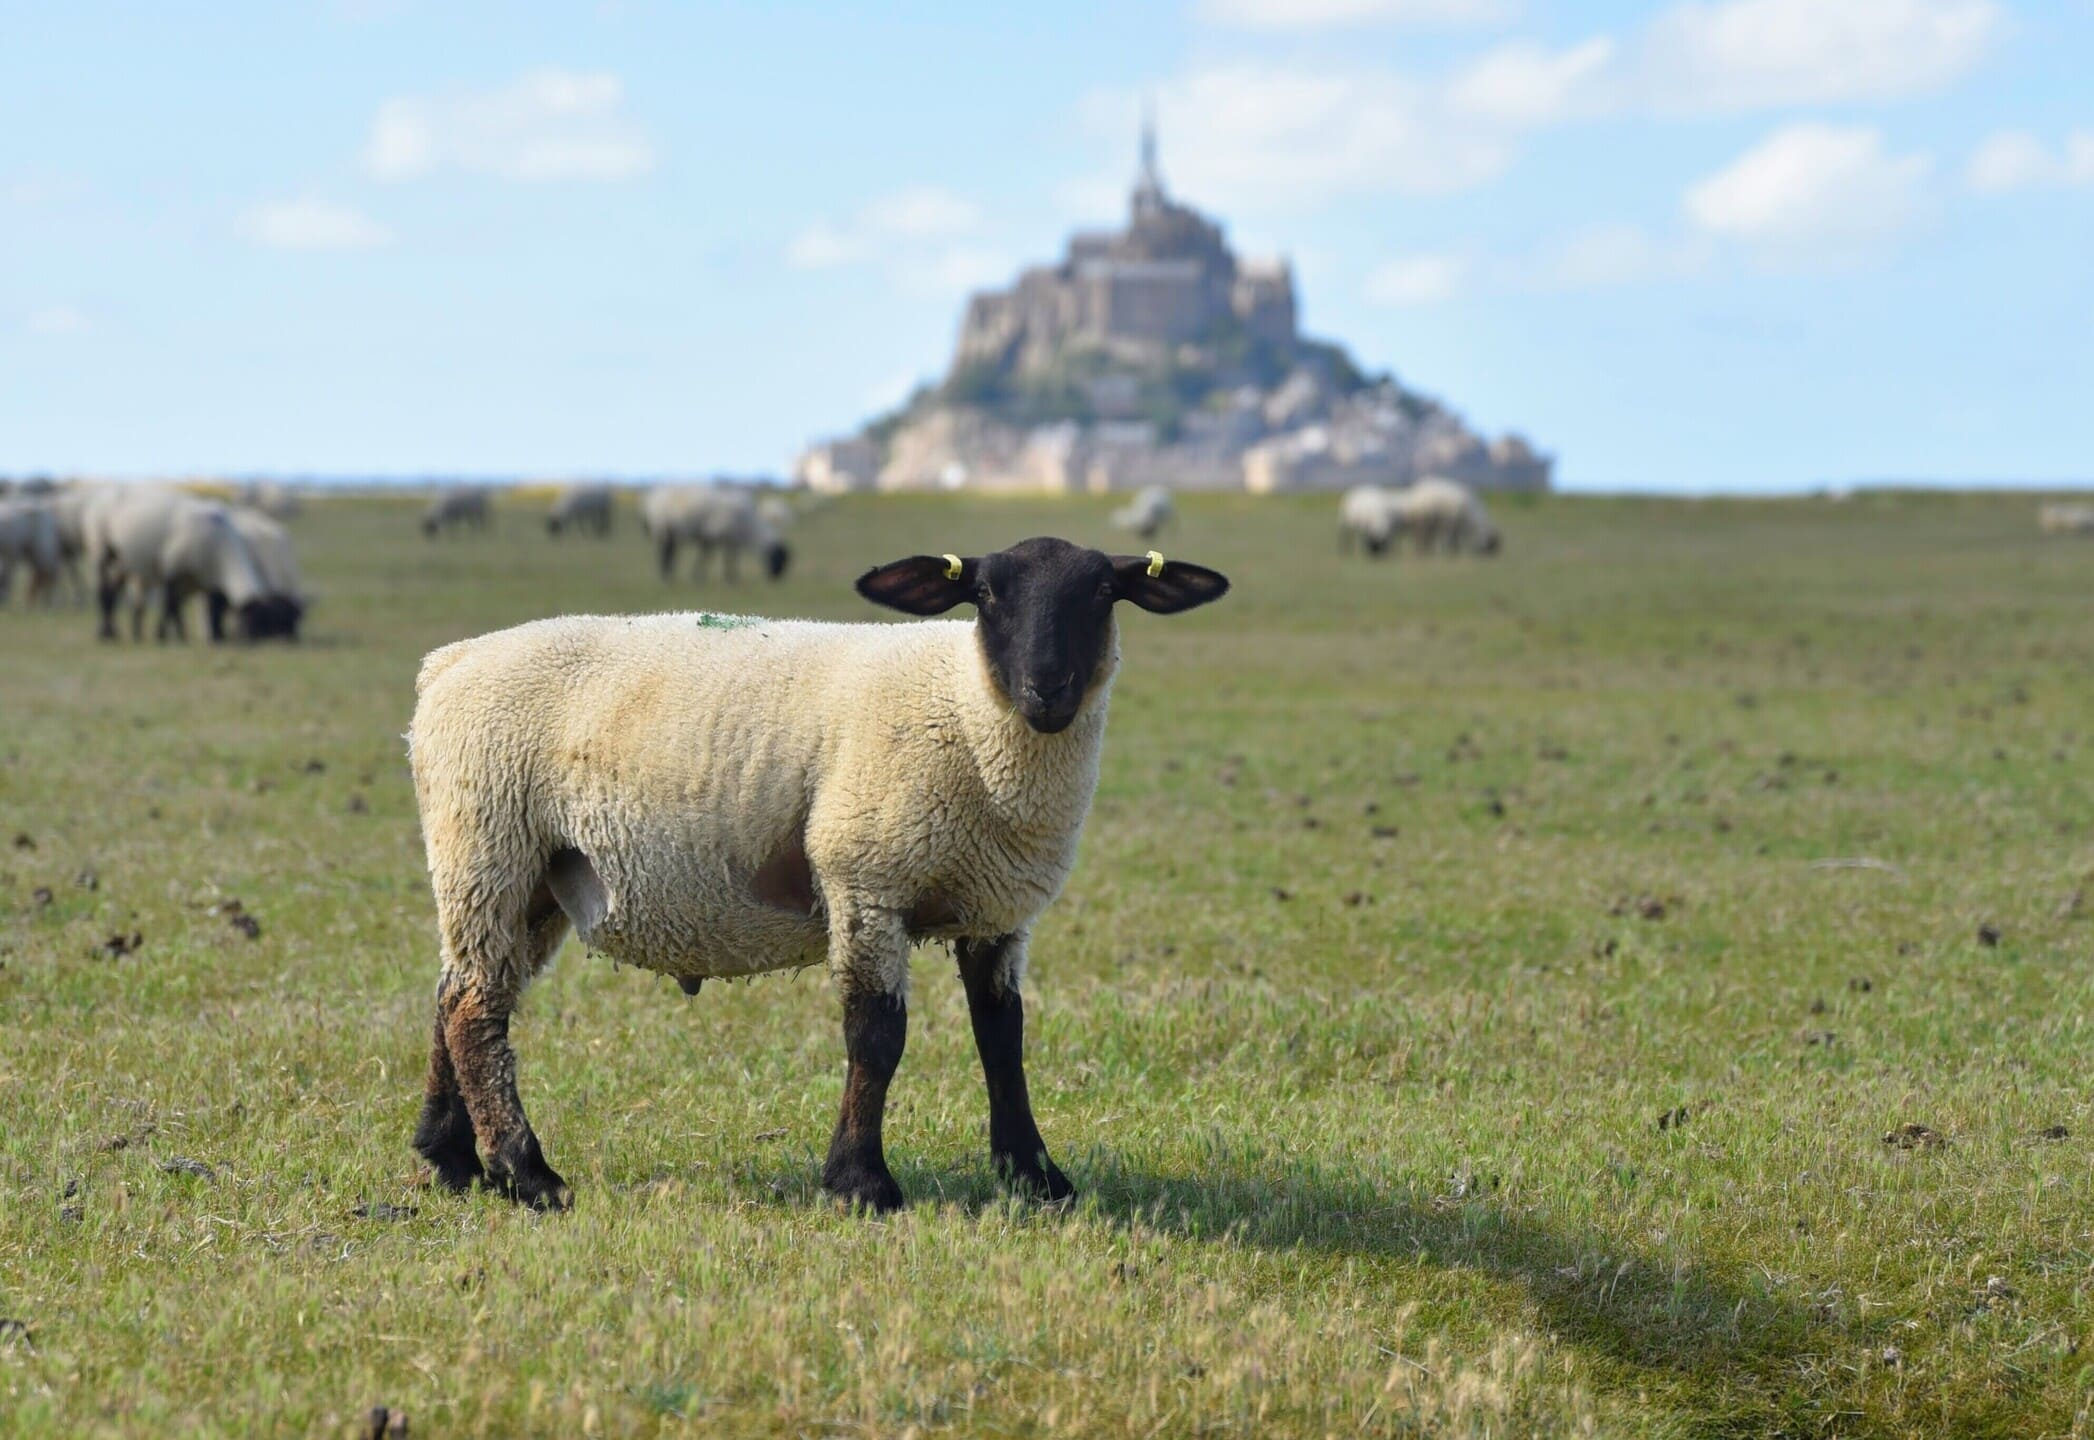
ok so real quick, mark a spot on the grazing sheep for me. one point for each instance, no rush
(1446, 515)
(1369, 516)
(278, 562)
(706, 795)
(2066, 519)
(1147, 513)
(711, 517)
(584, 507)
(160, 542)
(460, 507)
(29, 536)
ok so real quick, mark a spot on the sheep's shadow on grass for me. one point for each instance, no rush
(1731, 1350)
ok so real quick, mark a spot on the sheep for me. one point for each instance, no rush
(776, 511)
(1146, 513)
(454, 508)
(160, 542)
(1446, 514)
(585, 507)
(711, 517)
(29, 536)
(1369, 516)
(2066, 519)
(704, 795)
(278, 562)
(69, 510)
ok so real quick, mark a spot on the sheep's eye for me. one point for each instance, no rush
(1105, 591)
(983, 595)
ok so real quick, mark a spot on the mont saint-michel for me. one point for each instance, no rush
(1155, 355)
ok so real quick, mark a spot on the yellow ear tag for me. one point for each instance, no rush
(1155, 562)
(952, 567)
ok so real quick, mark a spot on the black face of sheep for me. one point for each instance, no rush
(1490, 545)
(776, 559)
(1043, 612)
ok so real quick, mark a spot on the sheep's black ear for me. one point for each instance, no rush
(921, 584)
(1177, 585)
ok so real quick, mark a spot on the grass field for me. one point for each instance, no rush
(1466, 1017)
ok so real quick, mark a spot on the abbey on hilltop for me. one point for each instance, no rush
(1154, 355)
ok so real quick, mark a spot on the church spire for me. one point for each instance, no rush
(1148, 185)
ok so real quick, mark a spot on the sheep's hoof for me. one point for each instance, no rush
(1041, 1179)
(855, 1188)
(523, 1176)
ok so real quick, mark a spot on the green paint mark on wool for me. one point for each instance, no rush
(708, 620)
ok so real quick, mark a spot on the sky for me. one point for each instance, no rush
(1711, 245)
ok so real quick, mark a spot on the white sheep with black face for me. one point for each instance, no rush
(162, 544)
(582, 509)
(455, 508)
(706, 795)
(710, 518)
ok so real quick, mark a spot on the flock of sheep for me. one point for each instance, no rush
(147, 543)
(723, 519)
(1433, 514)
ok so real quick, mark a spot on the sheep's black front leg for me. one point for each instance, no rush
(875, 1031)
(990, 970)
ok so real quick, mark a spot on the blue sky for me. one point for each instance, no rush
(1706, 245)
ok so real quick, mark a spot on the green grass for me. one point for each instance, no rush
(1414, 897)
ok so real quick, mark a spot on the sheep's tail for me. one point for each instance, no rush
(435, 663)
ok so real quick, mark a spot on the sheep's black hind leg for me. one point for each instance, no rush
(990, 970)
(445, 1135)
(476, 1031)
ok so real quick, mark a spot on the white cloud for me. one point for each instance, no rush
(1330, 14)
(1812, 193)
(57, 321)
(1747, 54)
(1525, 85)
(1253, 138)
(953, 271)
(309, 223)
(2017, 160)
(1424, 279)
(922, 210)
(1606, 257)
(919, 235)
(548, 125)
(821, 246)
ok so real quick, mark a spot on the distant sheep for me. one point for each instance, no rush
(581, 508)
(29, 537)
(159, 543)
(1147, 513)
(1446, 515)
(1368, 517)
(278, 562)
(706, 795)
(711, 517)
(2066, 519)
(461, 507)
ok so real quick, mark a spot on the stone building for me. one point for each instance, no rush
(1154, 355)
